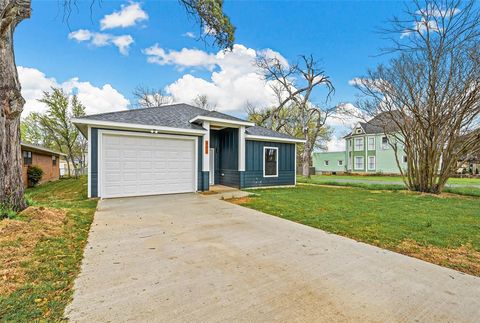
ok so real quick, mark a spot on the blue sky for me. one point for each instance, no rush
(341, 34)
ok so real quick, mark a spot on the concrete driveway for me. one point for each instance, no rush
(196, 258)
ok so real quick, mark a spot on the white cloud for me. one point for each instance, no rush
(184, 58)
(189, 34)
(346, 116)
(426, 20)
(234, 81)
(80, 35)
(122, 42)
(421, 26)
(207, 30)
(356, 81)
(126, 17)
(96, 99)
(336, 144)
(437, 12)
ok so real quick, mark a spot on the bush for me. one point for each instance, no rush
(34, 175)
(7, 213)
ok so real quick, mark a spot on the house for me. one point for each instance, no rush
(180, 148)
(48, 160)
(367, 151)
(332, 162)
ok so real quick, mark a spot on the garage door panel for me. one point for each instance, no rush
(137, 165)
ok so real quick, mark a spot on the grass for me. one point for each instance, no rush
(442, 230)
(381, 178)
(41, 251)
(330, 180)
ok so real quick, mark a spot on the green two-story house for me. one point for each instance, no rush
(367, 150)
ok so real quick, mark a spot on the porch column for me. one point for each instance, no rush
(206, 147)
(241, 148)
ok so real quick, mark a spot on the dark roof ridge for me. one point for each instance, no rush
(137, 109)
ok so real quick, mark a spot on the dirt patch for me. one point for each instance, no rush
(18, 239)
(465, 258)
(239, 200)
(209, 193)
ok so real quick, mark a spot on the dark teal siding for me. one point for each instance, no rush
(253, 175)
(225, 143)
(94, 160)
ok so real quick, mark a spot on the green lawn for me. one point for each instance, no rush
(456, 181)
(56, 232)
(470, 186)
(443, 230)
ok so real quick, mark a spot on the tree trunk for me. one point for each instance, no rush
(12, 12)
(306, 158)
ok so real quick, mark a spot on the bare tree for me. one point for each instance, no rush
(294, 87)
(203, 102)
(150, 98)
(427, 98)
(12, 12)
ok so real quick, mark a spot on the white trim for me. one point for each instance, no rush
(340, 161)
(222, 121)
(355, 163)
(374, 163)
(326, 162)
(206, 138)
(265, 148)
(274, 139)
(89, 166)
(211, 174)
(355, 143)
(385, 146)
(134, 126)
(368, 143)
(139, 134)
(241, 149)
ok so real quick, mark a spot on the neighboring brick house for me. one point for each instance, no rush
(48, 160)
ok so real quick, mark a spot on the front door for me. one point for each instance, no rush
(212, 166)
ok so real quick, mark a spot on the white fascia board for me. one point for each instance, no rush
(274, 139)
(134, 126)
(222, 121)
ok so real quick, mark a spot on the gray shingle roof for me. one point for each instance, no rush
(380, 124)
(265, 132)
(176, 116)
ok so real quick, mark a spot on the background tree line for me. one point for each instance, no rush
(54, 129)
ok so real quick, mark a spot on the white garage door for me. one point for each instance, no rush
(139, 165)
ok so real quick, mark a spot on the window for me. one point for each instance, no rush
(270, 161)
(371, 162)
(359, 130)
(54, 160)
(340, 162)
(371, 143)
(359, 163)
(326, 162)
(385, 143)
(358, 144)
(405, 160)
(27, 157)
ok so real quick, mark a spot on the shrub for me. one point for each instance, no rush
(7, 213)
(34, 175)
